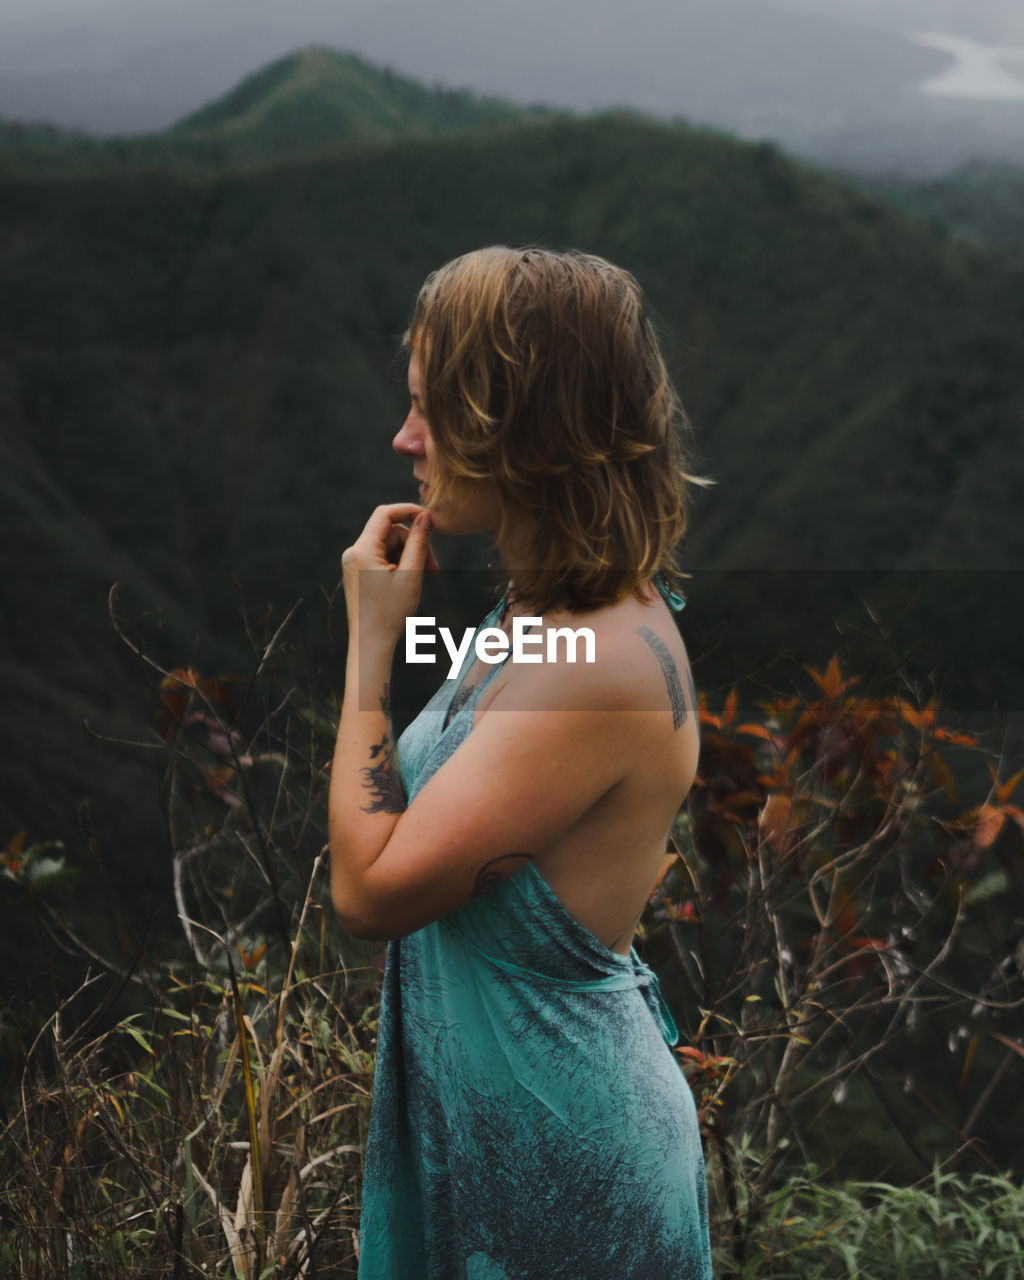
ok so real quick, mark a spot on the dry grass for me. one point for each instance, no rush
(839, 925)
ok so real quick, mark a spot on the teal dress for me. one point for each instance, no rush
(529, 1119)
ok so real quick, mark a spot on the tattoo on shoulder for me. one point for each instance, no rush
(668, 669)
(498, 869)
(382, 778)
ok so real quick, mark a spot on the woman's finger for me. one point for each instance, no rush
(396, 548)
(384, 519)
(396, 541)
(417, 544)
(383, 537)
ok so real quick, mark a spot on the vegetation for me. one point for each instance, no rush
(198, 391)
(298, 105)
(220, 1119)
(837, 938)
(947, 1226)
(983, 200)
(849, 924)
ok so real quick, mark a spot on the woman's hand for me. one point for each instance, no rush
(383, 570)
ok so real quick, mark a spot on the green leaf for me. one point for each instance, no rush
(136, 1035)
(181, 1017)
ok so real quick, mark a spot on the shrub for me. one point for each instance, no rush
(945, 1228)
(841, 925)
(850, 928)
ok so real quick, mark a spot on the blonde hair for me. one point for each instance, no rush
(541, 372)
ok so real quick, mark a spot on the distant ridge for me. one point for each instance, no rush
(300, 104)
(199, 390)
(317, 98)
(319, 95)
(20, 132)
(982, 200)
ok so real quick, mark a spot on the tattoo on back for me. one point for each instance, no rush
(489, 875)
(668, 670)
(383, 779)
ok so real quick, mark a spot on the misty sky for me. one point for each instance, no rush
(853, 76)
(997, 20)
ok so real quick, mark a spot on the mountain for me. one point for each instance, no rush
(981, 200)
(317, 97)
(809, 76)
(309, 100)
(199, 386)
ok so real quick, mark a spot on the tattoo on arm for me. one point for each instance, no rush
(489, 875)
(668, 670)
(383, 779)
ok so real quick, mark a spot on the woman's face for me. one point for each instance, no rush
(472, 506)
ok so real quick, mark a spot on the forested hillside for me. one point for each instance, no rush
(297, 105)
(199, 385)
(985, 201)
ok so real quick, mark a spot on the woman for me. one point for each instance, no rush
(529, 1121)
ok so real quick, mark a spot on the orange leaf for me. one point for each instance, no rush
(250, 959)
(1006, 789)
(943, 775)
(779, 708)
(990, 822)
(956, 739)
(971, 1047)
(831, 681)
(918, 719)
(774, 821)
(704, 1061)
(864, 942)
(1016, 814)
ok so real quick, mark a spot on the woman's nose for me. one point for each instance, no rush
(408, 441)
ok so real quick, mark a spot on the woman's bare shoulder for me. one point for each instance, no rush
(627, 656)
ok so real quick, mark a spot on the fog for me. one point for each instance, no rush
(845, 81)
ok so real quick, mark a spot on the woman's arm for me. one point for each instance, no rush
(366, 795)
(510, 791)
(525, 775)
(534, 766)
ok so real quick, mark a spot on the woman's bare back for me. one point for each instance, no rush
(602, 868)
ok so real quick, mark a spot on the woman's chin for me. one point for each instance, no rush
(441, 521)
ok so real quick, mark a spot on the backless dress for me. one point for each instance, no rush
(529, 1120)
